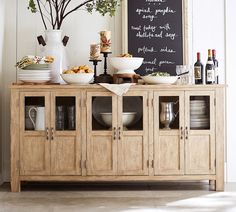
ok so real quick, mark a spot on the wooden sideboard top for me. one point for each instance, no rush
(135, 87)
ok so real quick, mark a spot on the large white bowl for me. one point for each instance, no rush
(126, 65)
(79, 78)
(160, 79)
(127, 118)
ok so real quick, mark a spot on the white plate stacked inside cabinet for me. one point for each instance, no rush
(199, 118)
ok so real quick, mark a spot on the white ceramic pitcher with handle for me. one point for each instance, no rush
(39, 124)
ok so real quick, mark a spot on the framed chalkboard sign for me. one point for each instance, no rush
(157, 31)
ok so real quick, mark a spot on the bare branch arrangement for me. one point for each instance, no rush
(54, 12)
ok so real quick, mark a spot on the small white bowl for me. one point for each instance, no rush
(78, 78)
(160, 79)
(127, 118)
(126, 65)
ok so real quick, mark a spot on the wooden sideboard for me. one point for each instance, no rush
(118, 138)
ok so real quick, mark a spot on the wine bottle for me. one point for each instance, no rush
(198, 70)
(216, 64)
(210, 72)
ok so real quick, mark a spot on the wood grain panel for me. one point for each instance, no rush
(35, 154)
(220, 138)
(133, 156)
(198, 155)
(133, 144)
(170, 155)
(34, 146)
(168, 144)
(200, 144)
(66, 144)
(15, 143)
(101, 156)
(63, 156)
(101, 145)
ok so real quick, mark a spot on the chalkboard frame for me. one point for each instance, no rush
(184, 31)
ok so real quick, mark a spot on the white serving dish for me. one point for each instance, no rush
(160, 79)
(79, 78)
(127, 118)
(126, 65)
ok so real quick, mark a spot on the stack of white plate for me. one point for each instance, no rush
(38, 73)
(198, 114)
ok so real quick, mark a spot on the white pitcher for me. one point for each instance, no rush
(39, 124)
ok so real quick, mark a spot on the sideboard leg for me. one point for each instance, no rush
(15, 185)
(212, 182)
(220, 138)
(219, 186)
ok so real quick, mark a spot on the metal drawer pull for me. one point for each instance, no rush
(114, 133)
(52, 135)
(181, 133)
(119, 133)
(47, 133)
(186, 133)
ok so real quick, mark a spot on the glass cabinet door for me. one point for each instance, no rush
(200, 132)
(102, 113)
(64, 112)
(132, 113)
(168, 133)
(101, 133)
(34, 110)
(34, 136)
(65, 133)
(133, 133)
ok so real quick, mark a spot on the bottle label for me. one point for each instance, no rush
(210, 75)
(197, 72)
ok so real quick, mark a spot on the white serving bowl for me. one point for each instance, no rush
(160, 79)
(127, 118)
(126, 65)
(78, 78)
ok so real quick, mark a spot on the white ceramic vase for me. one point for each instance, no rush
(54, 47)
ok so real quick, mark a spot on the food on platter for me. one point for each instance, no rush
(78, 70)
(78, 75)
(159, 74)
(160, 78)
(48, 59)
(126, 55)
(31, 59)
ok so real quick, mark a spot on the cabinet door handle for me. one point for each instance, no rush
(52, 133)
(186, 131)
(119, 133)
(47, 133)
(114, 136)
(181, 133)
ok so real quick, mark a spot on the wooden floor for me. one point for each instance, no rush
(174, 197)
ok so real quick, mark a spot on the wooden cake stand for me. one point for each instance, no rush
(122, 78)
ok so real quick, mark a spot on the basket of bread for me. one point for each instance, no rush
(78, 75)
